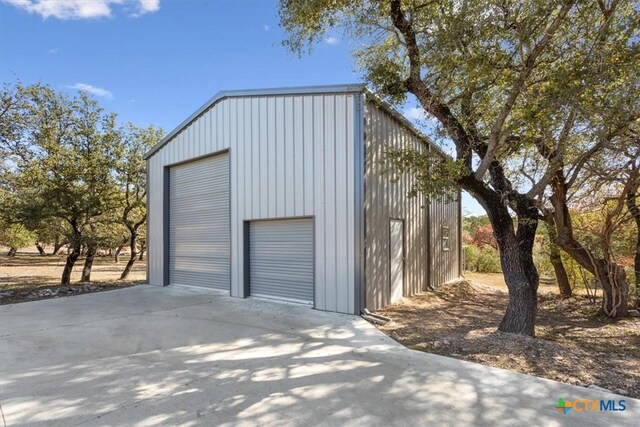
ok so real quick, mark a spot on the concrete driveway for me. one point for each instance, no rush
(177, 356)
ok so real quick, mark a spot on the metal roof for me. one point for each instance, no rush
(302, 90)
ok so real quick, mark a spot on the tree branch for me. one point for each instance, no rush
(528, 66)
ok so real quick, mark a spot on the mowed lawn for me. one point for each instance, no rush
(28, 269)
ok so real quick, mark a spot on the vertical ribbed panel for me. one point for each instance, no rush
(396, 250)
(444, 263)
(281, 256)
(386, 198)
(289, 155)
(199, 244)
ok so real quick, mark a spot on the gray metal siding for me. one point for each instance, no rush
(396, 251)
(386, 199)
(281, 256)
(445, 265)
(290, 156)
(199, 244)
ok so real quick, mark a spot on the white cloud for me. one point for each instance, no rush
(53, 51)
(149, 6)
(266, 27)
(93, 90)
(332, 40)
(82, 9)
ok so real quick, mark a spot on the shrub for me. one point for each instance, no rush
(481, 260)
(16, 236)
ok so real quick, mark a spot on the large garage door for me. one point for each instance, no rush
(199, 249)
(281, 259)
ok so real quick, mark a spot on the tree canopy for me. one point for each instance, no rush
(69, 168)
(528, 91)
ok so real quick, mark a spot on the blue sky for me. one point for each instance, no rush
(157, 61)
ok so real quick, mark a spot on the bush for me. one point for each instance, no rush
(16, 236)
(543, 263)
(481, 260)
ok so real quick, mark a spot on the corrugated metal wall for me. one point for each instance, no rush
(290, 155)
(445, 265)
(385, 200)
(425, 259)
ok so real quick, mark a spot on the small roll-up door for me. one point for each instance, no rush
(199, 242)
(281, 259)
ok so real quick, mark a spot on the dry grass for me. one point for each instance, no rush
(573, 344)
(28, 270)
(496, 281)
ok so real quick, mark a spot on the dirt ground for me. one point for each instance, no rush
(496, 280)
(573, 345)
(29, 276)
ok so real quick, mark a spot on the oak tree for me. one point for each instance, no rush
(495, 76)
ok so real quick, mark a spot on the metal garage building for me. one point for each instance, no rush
(282, 193)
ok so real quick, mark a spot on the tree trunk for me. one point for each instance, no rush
(133, 256)
(12, 252)
(57, 246)
(609, 274)
(72, 257)
(615, 290)
(117, 255)
(40, 249)
(519, 270)
(564, 286)
(143, 249)
(521, 278)
(88, 263)
(556, 259)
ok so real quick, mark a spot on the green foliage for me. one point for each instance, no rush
(131, 173)
(435, 174)
(50, 230)
(470, 223)
(68, 171)
(481, 260)
(16, 236)
(542, 261)
(509, 82)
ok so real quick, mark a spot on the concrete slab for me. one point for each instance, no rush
(178, 356)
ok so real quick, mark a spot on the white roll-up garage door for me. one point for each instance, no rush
(281, 254)
(199, 241)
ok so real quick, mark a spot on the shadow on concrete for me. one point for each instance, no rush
(153, 356)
